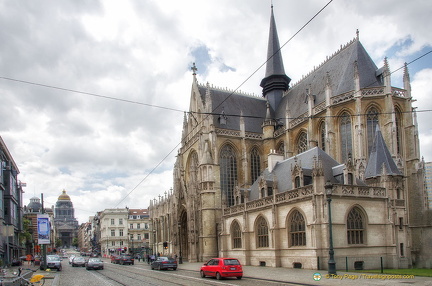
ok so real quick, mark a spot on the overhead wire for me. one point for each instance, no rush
(190, 112)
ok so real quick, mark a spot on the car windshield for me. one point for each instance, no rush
(163, 258)
(53, 258)
(94, 260)
(79, 258)
(231, 262)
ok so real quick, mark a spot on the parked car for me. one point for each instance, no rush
(54, 262)
(126, 259)
(16, 262)
(78, 261)
(221, 268)
(115, 259)
(94, 263)
(163, 263)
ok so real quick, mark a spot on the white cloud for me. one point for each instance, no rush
(142, 51)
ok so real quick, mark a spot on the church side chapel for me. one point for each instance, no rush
(253, 179)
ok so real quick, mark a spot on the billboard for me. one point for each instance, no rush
(43, 229)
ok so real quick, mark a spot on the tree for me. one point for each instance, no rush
(75, 242)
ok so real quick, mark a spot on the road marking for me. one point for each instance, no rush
(183, 276)
(101, 277)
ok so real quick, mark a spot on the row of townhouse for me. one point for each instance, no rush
(116, 231)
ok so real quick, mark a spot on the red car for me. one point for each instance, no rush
(115, 259)
(221, 268)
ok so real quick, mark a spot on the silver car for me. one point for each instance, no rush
(78, 261)
(94, 263)
(54, 262)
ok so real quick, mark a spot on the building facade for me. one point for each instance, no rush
(114, 231)
(64, 220)
(139, 232)
(249, 180)
(11, 206)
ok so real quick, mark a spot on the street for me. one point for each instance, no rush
(140, 274)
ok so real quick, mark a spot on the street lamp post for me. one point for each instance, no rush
(180, 244)
(331, 262)
(132, 250)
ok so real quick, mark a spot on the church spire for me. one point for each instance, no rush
(275, 81)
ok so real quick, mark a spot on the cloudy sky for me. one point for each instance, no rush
(63, 64)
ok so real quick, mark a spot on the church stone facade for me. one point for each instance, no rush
(251, 173)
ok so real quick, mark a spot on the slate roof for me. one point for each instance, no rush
(283, 169)
(380, 160)
(235, 104)
(340, 69)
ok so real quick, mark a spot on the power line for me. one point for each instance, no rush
(89, 93)
(242, 83)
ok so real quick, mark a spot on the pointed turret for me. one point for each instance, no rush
(380, 161)
(276, 81)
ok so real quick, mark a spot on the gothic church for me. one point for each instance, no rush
(252, 173)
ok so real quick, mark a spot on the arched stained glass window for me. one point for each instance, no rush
(236, 235)
(346, 136)
(193, 167)
(255, 165)
(322, 131)
(371, 123)
(281, 149)
(302, 143)
(398, 132)
(355, 227)
(228, 173)
(297, 229)
(262, 233)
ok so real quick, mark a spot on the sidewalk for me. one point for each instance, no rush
(306, 276)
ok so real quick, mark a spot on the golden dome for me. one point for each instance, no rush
(64, 197)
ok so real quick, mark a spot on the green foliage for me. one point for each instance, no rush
(25, 236)
(58, 242)
(75, 242)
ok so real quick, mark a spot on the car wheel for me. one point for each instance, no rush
(202, 274)
(152, 268)
(87, 268)
(218, 276)
(239, 277)
(60, 269)
(175, 268)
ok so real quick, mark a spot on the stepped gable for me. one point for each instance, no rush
(236, 103)
(380, 160)
(340, 69)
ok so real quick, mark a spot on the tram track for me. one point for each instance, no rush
(136, 274)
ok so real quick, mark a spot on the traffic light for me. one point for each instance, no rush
(165, 244)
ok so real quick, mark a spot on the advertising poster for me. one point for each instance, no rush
(43, 228)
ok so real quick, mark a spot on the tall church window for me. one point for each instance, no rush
(193, 167)
(371, 124)
(281, 149)
(322, 133)
(255, 164)
(346, 136)
(262, 233)
(355, 227)
(302, 143)
(228, 173)
(398, 132)
(297, 229)
(236, 235)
